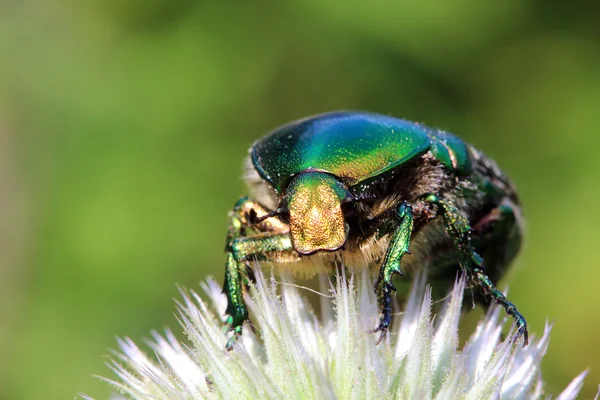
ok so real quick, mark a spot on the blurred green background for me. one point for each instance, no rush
(123, 125)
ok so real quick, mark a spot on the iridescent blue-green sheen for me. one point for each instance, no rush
(353, 146)
(450, 151)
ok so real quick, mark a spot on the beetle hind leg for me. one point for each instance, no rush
(460, 231)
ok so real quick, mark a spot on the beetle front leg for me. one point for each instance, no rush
(236, 307)
(242, 217)
(459, 230)
(262, 247)
(397, 248)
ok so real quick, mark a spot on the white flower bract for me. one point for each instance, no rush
(292, 354)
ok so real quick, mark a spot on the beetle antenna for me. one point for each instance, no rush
(257, 220)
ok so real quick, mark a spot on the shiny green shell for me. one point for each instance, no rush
(353, 146)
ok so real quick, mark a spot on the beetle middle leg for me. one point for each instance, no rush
(244, 217)
(459, 230)
(397, 248)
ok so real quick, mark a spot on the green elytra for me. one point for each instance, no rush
(398, 187)
(352, 146)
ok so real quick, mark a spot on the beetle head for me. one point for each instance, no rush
(314, 201)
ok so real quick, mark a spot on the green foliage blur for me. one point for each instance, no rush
(123, 125)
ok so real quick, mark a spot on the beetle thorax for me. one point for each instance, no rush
(314, 201)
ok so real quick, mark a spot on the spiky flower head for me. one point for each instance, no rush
(293, 355)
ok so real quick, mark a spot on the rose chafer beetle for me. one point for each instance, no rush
(360, 189)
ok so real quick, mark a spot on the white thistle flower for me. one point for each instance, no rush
(295, 356)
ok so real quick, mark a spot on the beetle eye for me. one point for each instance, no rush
(252, 217)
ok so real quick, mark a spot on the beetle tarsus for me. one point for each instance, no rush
(386, 310)
(480, 278)
(237, 332)
(397, 248)
(522, 331)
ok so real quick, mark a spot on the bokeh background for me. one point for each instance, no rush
(123, 125)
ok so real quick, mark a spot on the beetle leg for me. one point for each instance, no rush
(260, 247)
(459, 230)
(244, 249)
(236, 307)
(242, 217)
(397, 248)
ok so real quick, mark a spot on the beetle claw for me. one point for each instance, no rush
(237, 332)
(381, 328)
(522, 331)
(384, 326)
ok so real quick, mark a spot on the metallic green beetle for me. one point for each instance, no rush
(359, 189)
